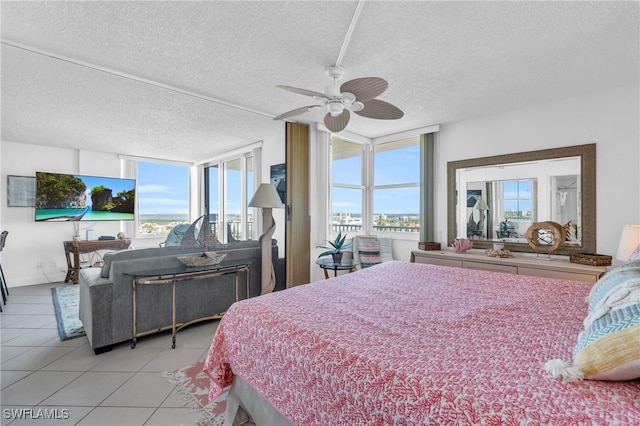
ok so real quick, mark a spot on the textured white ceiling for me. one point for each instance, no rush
(100, 75)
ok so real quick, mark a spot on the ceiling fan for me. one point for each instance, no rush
(355, 95)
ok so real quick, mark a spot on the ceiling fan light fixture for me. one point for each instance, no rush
(335, 108)
(357, 106)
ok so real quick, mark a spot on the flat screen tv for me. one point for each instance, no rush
(66, 197)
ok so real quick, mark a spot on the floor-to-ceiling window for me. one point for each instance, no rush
(229, 185)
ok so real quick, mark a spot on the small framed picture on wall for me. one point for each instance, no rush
(278, 179)
(21, 191)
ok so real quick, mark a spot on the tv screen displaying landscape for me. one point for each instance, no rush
(66, 197)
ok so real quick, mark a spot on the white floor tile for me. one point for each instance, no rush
(25, 321)
(36, 387)
(172, 359)
(79, 359)
(173, 417)
(8, 352)
(90, 389)
(141, 390)
(122, 387)
(8, 334)
(34, 337)
(35, 359)
(10, 377)
(30, 308)
(125, 359)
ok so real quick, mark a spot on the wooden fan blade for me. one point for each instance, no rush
(365, 88)
(338, 123)
(303, 91)
(296, 111)
(380, 110)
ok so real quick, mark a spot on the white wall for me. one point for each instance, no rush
(273, 152)
(610, 119)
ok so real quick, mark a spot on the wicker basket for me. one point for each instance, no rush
(423, 245)
(205, 259)
(591, 259)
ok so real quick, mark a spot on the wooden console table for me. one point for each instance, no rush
(78, 247)
(520, 265)
(175, 276)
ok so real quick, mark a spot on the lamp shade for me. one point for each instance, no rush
(266, 196)
(481, 205)
(629, 241)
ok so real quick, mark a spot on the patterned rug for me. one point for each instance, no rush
(66, 299)
(194, 386)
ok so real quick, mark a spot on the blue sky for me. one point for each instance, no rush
(163, 188)
(390, 167)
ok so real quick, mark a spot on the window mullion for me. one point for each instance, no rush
(367, 193)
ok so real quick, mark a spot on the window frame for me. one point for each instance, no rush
(374, 187)
(367, 187)
(248, 228)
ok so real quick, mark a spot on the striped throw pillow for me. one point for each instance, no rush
(368, 250)
(609, 346)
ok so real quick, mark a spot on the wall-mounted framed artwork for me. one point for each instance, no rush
(21, 191)
(279, 180)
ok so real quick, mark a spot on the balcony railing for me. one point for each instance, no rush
(345, 227)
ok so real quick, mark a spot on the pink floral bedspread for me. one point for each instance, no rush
(408, 344)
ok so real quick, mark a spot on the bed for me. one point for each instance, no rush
(407, 344)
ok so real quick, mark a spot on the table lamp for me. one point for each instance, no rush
(482, 206)
(629, 241)
(267, 198)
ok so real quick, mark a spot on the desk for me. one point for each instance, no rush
(344, 265)
(77, 247)
(176, 275)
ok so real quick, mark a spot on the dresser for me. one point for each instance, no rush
(519, 264)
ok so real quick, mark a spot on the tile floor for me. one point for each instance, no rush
(123, 387)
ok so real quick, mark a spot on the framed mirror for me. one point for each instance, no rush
(496, 199)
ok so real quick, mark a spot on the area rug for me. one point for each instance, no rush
(193, 383)
(66, 300)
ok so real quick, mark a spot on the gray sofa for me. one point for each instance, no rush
(106, 295)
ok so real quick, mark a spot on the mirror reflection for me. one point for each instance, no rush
(503, 201)
(496, 199)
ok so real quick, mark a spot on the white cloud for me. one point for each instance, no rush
(152, 188)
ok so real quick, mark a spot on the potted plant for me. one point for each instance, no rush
(335, 248)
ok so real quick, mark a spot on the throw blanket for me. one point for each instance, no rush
(402, 343)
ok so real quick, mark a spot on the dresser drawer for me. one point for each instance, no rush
(490, 267)
(442, 261)
(557, 274)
